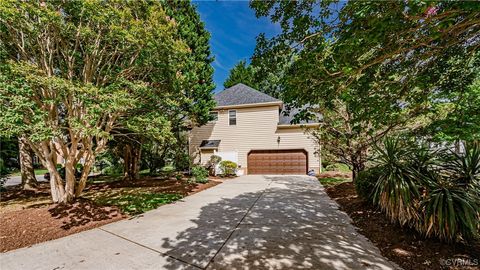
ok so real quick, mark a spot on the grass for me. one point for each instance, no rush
(37, 172)
(106, 178)
(134, 204)
(339, 167)
(332, 181)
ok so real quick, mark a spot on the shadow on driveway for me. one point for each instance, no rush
(292, 224)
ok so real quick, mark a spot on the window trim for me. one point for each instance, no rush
(215, 119)
(230, 118)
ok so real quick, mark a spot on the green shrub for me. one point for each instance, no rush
(365, 182)
(450, 210)
(438, 195)
(464, 169)
(228, 167)
(179, 176)
(396, 191)
(200, 174)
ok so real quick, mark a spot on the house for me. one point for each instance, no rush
(253, 130)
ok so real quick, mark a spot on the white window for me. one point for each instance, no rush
(214, 116)
(232, 117)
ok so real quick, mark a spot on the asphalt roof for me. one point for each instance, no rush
(242, 94)
(287, 115)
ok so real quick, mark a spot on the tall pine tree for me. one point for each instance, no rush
(199, 73)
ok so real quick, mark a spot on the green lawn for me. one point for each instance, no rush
(37, 172)
(339, 167)
(134, 203)
(332, 181)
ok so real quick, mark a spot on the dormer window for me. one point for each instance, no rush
(232, 117)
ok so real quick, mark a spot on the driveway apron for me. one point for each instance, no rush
(250, 222)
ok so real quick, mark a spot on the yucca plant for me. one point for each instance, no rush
(451, 211)
(464, 169)
(422, 159)
(396, 191)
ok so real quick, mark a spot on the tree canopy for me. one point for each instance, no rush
(76, 74)
(241, 73)
(366, 66)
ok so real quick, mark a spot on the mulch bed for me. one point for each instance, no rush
(403, 246)
(30, 226)
(27, 217)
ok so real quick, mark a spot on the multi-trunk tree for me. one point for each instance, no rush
(361, 64)
(74, 72)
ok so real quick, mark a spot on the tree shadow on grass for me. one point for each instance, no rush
(292, 225)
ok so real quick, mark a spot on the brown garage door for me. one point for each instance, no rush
(277, 162)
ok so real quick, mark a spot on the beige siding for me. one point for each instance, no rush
(256, 129)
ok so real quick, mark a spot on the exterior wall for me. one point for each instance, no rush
(256, 129)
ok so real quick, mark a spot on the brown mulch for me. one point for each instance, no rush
(403, 246)
(22, 228)
(29, 217)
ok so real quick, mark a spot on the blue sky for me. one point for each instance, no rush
(233, 28)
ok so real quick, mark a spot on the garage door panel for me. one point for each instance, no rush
(277, 162)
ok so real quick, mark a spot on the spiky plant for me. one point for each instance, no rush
(421, 158)
(451, 210)
(464, 168)
(396, 191)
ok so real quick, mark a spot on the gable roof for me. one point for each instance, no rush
(240, 94)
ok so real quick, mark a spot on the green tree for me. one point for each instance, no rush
(194, 109)
(74, 73)
(241, 73)
(454, 107)
(358, 63)
(260, 75)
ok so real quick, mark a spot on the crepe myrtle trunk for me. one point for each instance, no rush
(26, 164)
(68, 189)
(131, 159)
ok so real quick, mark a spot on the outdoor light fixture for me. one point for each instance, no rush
(278, 140)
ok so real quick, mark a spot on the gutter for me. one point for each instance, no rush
(281, 126)
(249, 105)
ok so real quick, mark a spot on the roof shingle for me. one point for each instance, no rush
(240, 94)
(287, 115)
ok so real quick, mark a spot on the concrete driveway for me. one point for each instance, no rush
(251, 222)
